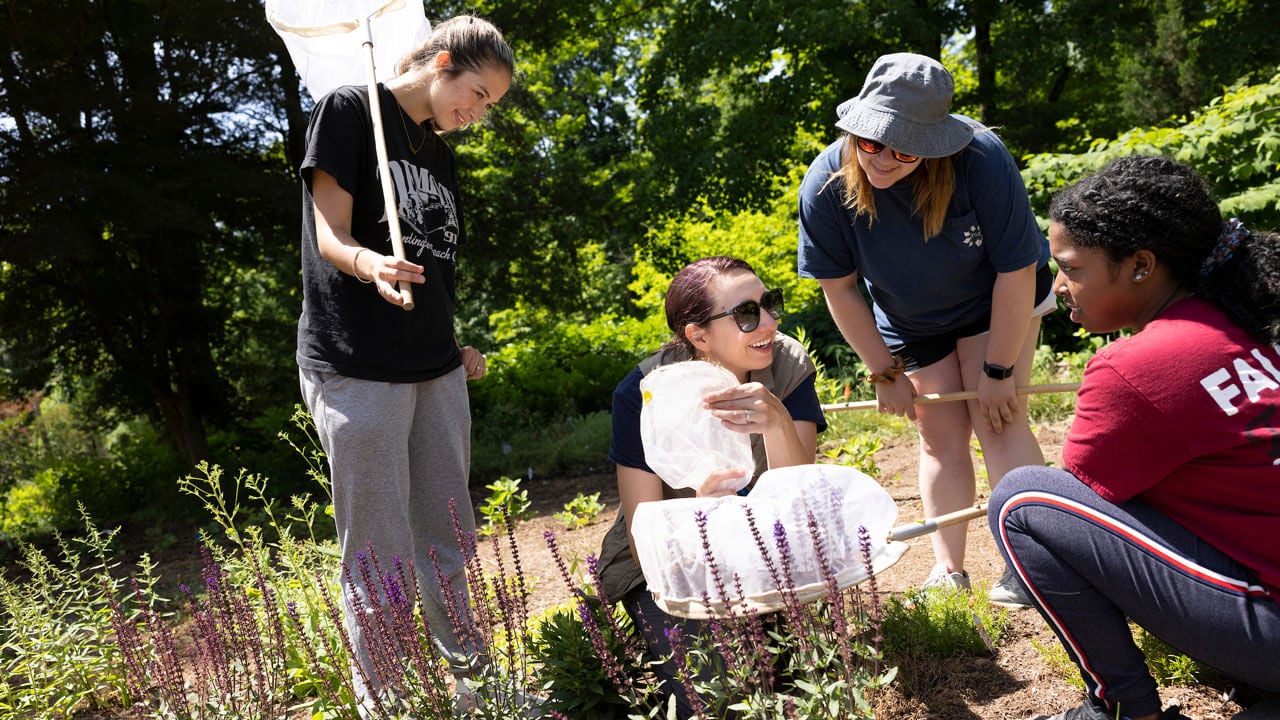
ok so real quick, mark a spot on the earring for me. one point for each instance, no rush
(1139, 276)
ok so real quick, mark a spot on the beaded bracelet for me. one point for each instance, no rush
(356, 272)
(889, 376)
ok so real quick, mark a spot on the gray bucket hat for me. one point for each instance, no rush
(905, 103)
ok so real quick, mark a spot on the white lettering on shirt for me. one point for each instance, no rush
(1266, 364)
(1224, 386)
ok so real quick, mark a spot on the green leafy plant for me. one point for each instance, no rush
(1056, 657)
(858, 451)
(572, 676)
(57, 653)
(941, 622)
(581, 511)
(507, 503)
(1168, 666)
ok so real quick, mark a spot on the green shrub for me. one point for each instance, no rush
(553, 367)
(942, 623)
(27, 508)
(573, 678)
(57, 649)
(512, 443)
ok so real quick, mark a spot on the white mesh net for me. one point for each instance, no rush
(325, 43)
(840, 499)
(683, 442)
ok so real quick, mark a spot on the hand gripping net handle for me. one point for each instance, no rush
(312, 31)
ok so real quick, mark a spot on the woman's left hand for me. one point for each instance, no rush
(748, 408)
(998, 402)
(473, 362)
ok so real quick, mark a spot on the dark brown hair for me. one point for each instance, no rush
(688, 299)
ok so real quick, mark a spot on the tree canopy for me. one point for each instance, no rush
(149, 206)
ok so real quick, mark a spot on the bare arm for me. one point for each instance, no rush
(751, 408)
(1011, 301)
(858, 326)
(634, 487)
(333, 207)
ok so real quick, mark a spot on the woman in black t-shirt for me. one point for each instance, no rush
(386, 387)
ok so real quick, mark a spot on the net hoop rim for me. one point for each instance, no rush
(332, 28)
(699, 608)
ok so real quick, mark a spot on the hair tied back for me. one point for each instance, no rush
(1232, 234)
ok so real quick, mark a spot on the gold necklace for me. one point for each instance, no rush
(403, 124)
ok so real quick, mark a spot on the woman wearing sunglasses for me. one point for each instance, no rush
(929, 211)
(718, 310)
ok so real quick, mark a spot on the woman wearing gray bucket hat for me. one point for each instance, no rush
(929, 210)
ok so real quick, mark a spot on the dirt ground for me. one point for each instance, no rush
(1016, 683)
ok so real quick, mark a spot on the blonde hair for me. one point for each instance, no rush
(932, 185)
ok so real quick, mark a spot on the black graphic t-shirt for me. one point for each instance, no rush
(346, 327)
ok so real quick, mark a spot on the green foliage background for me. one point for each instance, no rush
(148, 200)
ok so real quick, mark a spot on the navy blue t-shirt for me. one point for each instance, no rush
(923, 288)
(625, 446)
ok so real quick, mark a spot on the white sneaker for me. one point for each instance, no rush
(942, 577)
(1009, 592)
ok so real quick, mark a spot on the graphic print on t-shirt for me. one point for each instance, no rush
(428, 209)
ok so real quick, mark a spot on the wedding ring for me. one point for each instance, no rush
(748, 416)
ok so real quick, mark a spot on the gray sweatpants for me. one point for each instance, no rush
(398, 453)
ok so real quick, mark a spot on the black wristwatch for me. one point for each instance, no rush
(997, 372)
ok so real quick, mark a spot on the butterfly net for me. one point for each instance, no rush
(794, 511)
(684, 442)
(827, 514)
(325, 40)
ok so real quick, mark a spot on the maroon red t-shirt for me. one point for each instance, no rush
(1186, 416)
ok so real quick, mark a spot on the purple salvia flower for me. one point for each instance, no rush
(630, 642)
(459, 617)
(680, 658)
(550, 537)
(372, 676)
(379, 640)
(129, 641)
(751, 630)
(522, 592)
(426, 664)
(611, 665)
(795, 615)
(700, 518)
(833, 592)
(774, 574)
(864, 545)
(318, 670)
(272, 611)
(336, 621)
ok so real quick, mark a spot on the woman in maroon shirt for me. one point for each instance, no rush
(1168, 508)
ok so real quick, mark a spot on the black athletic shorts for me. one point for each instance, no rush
(923, 353)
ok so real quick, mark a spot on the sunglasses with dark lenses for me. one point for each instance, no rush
(747, 314)
(871, 147)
